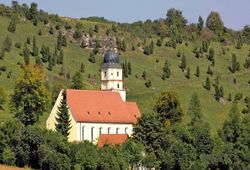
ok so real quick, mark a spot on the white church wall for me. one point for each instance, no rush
(84, 130)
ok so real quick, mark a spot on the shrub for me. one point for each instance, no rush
(18, 45)
(148, 83)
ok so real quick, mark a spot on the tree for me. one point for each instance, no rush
(26, 54)
(82, 68)
(77, 81)
(51, 30)
(91, 57)
(30, 97)
(166, 72)
(197, 71)
(28, 40)
(8, 156)
(214, 23)
(148, 83)
(200, 24)
(144, 75)
(235, 66)
(96, 28)
(125, 69)
(183, 63)
(194, 109)
(63, 119)
(232, 127)
(129, 68)
(168, 107)
(2, 98)
(60, 58)
(64, 41)
(188, 75)
(209, 71)
(175, 18)
(146, 50)
(211, 55)
(59, 40)
(7, 44)
(38, 60)
(207, 84)
(34, 48)
(158, 42)
(12, 26)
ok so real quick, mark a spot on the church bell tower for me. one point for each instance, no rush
(111, 74)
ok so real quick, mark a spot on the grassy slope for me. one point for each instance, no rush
(214, 112)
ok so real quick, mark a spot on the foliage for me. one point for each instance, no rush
(12, 26)
(63, 119)
(2, 98)
(214, 23)
(77, 81)
(168, 107)
(7, 44)
(166, 72)
(30, 97)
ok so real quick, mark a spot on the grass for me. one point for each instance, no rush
(213, 112)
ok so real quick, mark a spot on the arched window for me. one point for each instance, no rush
(105, 74)
(126, 130)
(117, 130)
(100, 130)
(92, 134)
(83, 133)
(117, 73)
(118, 86)
(109, 130)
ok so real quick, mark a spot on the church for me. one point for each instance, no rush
(100, 116)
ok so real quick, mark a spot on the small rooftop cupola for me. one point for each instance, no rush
(111, 74)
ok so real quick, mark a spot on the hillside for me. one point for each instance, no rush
(214, 112)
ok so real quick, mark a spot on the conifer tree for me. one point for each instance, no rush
(83, 44)
(38, 60)
(179, 54)
(26, 55)
(197, 71)
(158, 43)
(82, 68)
(50, 66)
(235, 66)
(64, 41)
(183, 62)
(209, 71)
(63, 120)
(200, 24)
(129, 68)
(195, 109)
(28, 40)
(77, 81)
(12, 26)
(207, 84)
(125, 72)
(7, 44)
(188, 75)
(34, 48)
(91, 57)
(144, 75)
(166, 72)
(60, 57)
(59, 40)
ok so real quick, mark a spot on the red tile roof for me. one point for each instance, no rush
(101, 106)
(111, 139)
